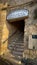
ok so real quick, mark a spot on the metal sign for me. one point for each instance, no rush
(34, 36)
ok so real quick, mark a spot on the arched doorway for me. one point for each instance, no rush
(16, 19)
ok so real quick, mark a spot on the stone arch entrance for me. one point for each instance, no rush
(16, 20)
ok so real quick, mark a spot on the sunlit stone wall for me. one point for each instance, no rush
(31, 29)
(28, 30)
(3, 29)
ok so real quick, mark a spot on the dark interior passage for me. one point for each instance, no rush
(16, 42)
(18, 36)
(19, 24)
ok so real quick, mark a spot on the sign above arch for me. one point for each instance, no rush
(19, 14)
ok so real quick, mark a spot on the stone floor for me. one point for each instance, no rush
(8, 56)
(5, 62)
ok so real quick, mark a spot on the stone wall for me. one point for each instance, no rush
(6, 29)
(30, 27)
(31, 23)
(3, 29)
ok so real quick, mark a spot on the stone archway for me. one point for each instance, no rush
(16, 20)
(5, 29)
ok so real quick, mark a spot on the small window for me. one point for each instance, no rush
(34, 36)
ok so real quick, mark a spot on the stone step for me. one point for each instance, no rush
(18, 49)
(17, 58)
(16, 36)
(17, 53)
(17, 40)
(19, 43)
(18, 46)
(15, 48)
(14, 59)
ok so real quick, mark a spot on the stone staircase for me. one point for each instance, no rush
(16, 45)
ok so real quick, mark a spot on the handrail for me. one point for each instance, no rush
(9, 37)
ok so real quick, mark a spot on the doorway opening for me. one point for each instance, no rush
(19, 35)
(16, 42)
(20, 26)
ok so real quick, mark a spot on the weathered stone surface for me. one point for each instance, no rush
(3, 30)
(30, 27)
